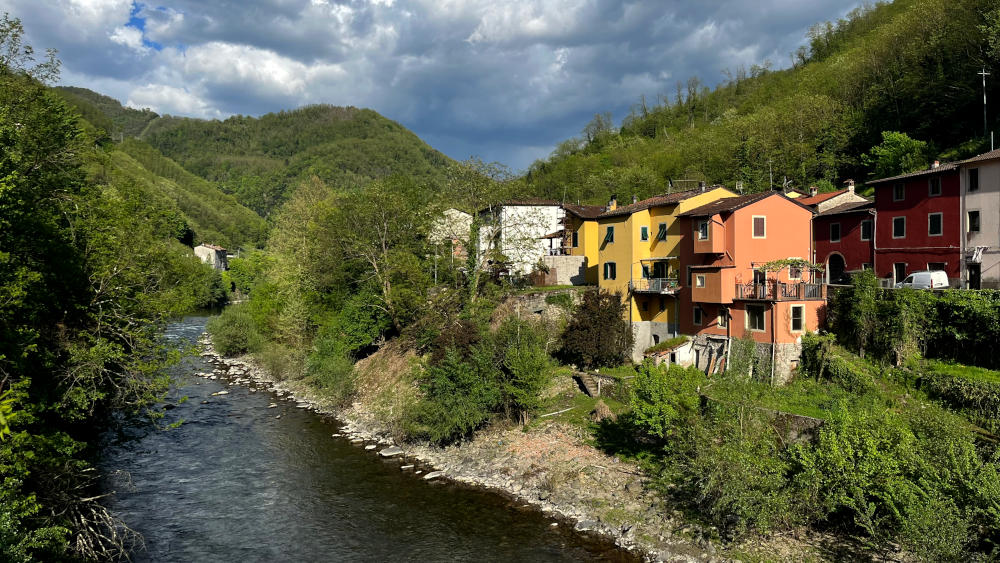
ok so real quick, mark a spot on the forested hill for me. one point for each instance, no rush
(908, 66)
(260, 160)
(108, 113)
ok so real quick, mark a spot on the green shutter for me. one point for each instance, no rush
(662, 234)
(610, 236)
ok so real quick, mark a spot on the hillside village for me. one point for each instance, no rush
(714, 265)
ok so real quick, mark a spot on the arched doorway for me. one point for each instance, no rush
(835, 267)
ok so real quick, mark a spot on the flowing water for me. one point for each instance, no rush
(236, 482)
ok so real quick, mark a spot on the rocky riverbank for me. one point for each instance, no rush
(549, 466)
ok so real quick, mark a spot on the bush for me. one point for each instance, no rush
(975, 391)
(524, 371)
(331, 369)
(234, 331)
(564, 300)
(664, 399)
(598, 335)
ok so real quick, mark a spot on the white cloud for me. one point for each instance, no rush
(129, 37)
(163, 99)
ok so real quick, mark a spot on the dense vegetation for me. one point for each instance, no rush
(260, 160)
(108, 113)
(90, 269)
(909, 67)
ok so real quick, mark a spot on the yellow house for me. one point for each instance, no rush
(581, 236)
(638, 255)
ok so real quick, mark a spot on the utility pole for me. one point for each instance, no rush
(984, 74)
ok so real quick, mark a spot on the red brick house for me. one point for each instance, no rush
(918, 224)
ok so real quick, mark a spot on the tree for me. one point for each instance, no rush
(598, 334)
(897, 154)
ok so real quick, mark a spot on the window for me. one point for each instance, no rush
(723, 317)
(576, 239)
(973, 179)
(644, 233)
(935, 266)
(609, 271)
(759, 226)
(702, 230)
(794, 272)
(755, 317)
(866, 229)
(934, 227)
(662, 233)
(974, 221)
(898, 227)
(834, 232)
(699, 280)
(798, 318)
(866, 266)
(610, 235)
(934, 186)
(645, 271)
(697, 316)
(898, 192)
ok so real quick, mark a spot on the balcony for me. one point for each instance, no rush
(780, 291)
(658, 286)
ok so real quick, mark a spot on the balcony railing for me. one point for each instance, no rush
(654, 285)
(780, 291)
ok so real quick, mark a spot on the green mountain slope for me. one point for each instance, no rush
(260, 160)
(908, 66)
(107, 113)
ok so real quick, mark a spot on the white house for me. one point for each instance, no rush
(980, 183)
(213, 255)
(517, 231)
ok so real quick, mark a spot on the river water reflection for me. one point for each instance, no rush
(236, 482)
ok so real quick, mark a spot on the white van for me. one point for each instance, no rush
(928, 279)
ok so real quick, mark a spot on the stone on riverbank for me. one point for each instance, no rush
(433, 475)
(391, 451)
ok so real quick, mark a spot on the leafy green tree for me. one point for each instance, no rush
(598, 334)
(897, 154)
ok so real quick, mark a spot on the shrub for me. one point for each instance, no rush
(331, 368)
(664, 399)
(524, 368)
(234, 331)
(564, 300)
(598, 334)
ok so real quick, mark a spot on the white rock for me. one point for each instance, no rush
(370, 447)
(405, 467)
(391, 451)
(272, 406)
(433, 475)
(217, 393)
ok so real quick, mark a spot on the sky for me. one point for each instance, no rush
(501, 80)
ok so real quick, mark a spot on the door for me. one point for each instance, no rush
(975, 275)
(660, 270)
(898, 272)
(835, 268)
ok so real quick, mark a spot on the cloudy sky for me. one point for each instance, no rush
(503, 80)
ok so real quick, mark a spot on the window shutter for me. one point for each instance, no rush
(662, 233)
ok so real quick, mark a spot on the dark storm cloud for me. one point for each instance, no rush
(502, 80)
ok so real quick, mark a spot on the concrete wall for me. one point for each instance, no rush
(521, 230)
(643, 333)
(213, 257)
(567, 270)
(987, 201)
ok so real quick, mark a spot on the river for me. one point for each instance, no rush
(238, 481)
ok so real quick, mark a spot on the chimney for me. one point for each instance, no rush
(936, 164)
(613, 204)
(701, 185)
(850, 185)
(813, 190)
(635, 198)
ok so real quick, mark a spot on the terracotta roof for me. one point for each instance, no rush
(662, 199)
(851, 207)
(734, 203)
(943, 167)
(819, 198)
(584, 211)
(981, 157)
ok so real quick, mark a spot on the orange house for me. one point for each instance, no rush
(728, 292)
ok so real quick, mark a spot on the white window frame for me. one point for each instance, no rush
(941, 224)
(610, 268)
(723, 318)
(902, 191)
(871, 229)
(903, 217)
(698, 229)
(644, 233)
(930, 186)
(753, 226)
(791, 319)
(746, 318)
(839, 232)
(699, 280)
(697, 316)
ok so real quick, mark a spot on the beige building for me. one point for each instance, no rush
(980, 181)
(213, 255)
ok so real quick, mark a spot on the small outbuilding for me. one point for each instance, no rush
(213, 255)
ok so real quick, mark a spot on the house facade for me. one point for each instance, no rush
(980, 189)
(844, 240)
(727, 290)
(213, 255)
(918, 224)
(516, 232)
(581, 237)
(638, 255)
